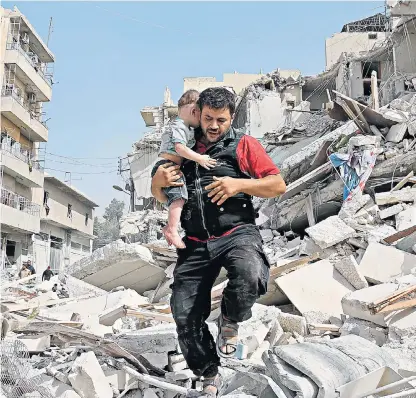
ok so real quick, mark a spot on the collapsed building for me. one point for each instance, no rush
(339, 317)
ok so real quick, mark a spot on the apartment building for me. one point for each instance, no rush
(26, 84)
(66, 225)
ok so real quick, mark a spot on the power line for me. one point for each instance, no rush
(74, 158)
(80, 163)
(83, 173)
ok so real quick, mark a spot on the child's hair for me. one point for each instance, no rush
(188, 97)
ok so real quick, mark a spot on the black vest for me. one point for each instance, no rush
(200, 217)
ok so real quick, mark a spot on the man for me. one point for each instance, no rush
(30, 267)
(219, 222)
(47, 274)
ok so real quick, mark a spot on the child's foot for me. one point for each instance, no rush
(173, 238)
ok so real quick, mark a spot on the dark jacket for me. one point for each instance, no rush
(47, 274)
(200, 217)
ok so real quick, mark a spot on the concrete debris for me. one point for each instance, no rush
(395, 263)
(330, 232)
(106, 329)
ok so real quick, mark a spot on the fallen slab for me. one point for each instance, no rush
(119, 264)
(383, 263)
(406, 244)
(357, 304)
(330, 364)
(390, 211)
(329, 232)
(391, 198)
(406, 219)
(88, 379)
(316, 287)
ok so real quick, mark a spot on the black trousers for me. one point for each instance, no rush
(199, 264)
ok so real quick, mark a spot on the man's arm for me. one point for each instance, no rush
(165, 176)
(266, 180)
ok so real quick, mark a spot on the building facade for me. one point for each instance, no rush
(66, 226)
(26, 84)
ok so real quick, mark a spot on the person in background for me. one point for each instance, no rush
(24, 272)
(47, 274)
(30, 267)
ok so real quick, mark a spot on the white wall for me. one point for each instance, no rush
(349, 42)
(58, 204)
(406, 51)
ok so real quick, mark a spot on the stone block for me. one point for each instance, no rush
(350, 208)
(267, 235)
(119, 378)
(56, 388)
(348, 268)
(406, 219)
(36, 343)
(391, 211)
(88, 379)
(316, 287)
(293, 323)
(396, 132)
(329, 232)
(365, 329)
(391, 198)
(382, 263)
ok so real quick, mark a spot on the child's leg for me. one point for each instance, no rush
(174, 217)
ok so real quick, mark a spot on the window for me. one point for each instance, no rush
(86, 218)
(368, 67)
(69, 215)
(45, 202)
(372, 36)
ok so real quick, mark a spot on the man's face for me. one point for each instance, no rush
(215, 123)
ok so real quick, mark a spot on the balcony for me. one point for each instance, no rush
(19, 111)
(18, 213)
(19, 162)
(30, 71)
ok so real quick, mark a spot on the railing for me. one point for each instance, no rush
(18, 202)
(37, 66)
(19, 151)
(12, 92)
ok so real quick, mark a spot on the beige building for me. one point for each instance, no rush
(66, 226)
(26, 83)
(237, 81)
(355, 38)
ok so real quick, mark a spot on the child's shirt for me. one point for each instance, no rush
(176, 132)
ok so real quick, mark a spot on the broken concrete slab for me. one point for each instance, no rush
(365, 329)
(156, 339)
(350, 207)
(316, 287)
(36, 343)
(396, 132)
(293, 323)
(56, 388)
(404, 326)
(390, 198)
(119, 264)
(119, 378)
(406, 218)
(383, 263)
(329, 232)
(406, 244)
(356, 304)
(349, 269)
(391, 211)
(88, 379)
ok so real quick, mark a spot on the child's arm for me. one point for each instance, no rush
(187, 153)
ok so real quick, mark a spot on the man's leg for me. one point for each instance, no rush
(194, 277)
(248, 273)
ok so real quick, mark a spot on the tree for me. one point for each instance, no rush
(108, 230)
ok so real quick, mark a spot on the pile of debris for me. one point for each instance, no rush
(339, 317)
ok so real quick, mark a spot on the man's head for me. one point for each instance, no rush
(188, 109)
(29, 262)
(217, 105)
(49, 267)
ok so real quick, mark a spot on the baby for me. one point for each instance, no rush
(177, 140)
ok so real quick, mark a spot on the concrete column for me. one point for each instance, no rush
(18, 254)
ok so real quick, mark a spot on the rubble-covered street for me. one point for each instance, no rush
(339, 317)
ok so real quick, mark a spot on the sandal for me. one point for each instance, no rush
(211, 382)
(227, 337)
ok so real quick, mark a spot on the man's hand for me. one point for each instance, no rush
(223, 188)
(206, 161)
(166, 176)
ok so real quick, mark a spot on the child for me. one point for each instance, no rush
(177, 141)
